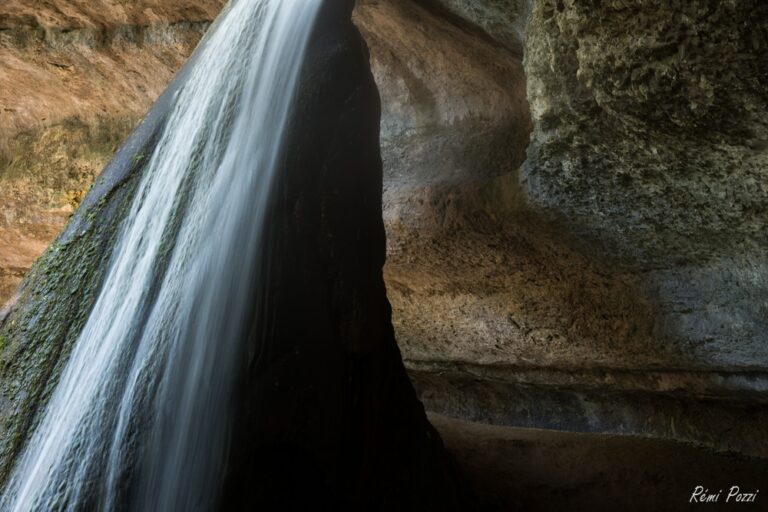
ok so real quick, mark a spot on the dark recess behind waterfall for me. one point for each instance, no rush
(329, 418)
(326, 416)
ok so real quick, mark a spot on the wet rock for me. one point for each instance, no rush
(330, 419)
(77, 77)
(327, 417)
(632, 237)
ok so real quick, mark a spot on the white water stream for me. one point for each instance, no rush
(139, 417)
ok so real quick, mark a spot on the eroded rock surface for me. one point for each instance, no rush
(652, 138)
(615, 281)
(76, 76)
(576, 237)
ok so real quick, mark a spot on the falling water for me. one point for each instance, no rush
(139, 418)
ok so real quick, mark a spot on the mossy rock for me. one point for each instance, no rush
(58, 293)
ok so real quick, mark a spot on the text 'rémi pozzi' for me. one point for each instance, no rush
(734, 495)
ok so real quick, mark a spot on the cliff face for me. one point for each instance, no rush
(574, 192)
(649, 154)
(650, 139)
(610, 277)
(76, 77)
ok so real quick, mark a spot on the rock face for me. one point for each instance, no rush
(574, 196)
(330, 419)
(504, 20)
(76, 78)
(455, 127)
(648, 142)
(650, 150)
(614, 281)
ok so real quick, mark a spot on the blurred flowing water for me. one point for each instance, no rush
(140, 417)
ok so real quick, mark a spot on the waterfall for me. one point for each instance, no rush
(139, 419)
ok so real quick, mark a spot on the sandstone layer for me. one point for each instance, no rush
(611, 277)
(75, 78)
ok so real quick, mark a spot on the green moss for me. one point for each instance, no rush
(139, 158)
(56, 299)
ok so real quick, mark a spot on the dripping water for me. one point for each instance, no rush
(139, 418)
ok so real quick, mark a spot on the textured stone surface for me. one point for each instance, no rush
(504, 20)
(651, 140)
(615, 281)
(617, 275)
(75, 77)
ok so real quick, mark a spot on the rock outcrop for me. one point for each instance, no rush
(612, 277)
(330, 419)
(574, 194)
